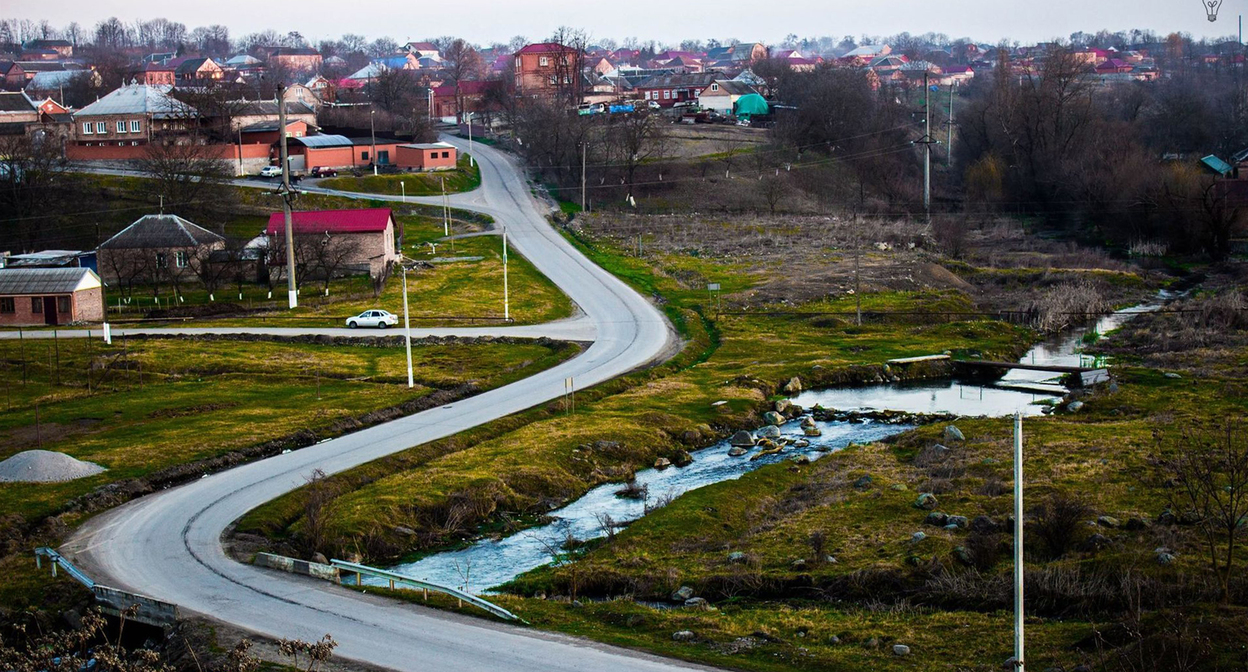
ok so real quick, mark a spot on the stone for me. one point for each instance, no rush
(808, 422)
(901, 650)
(794, 386)
(682, 593)
(872, 643)
(1095, 543)
(769, 432)
(958, 521)
(719, 403)
(682, 458)
(926, 501)
(1113, 387)
(917, 537)
(801, 460)
(983, 525)
(834, 640)
(801, 443)
(1167, 517)
(577, 604)
(737, 451)
(812, 431)
(830, 559)
(1172, 375)
(319, 558)
(662, 463)
(683, 636)
(737, 558)
(952, 433)
(1164, 556)
(963, 555)
(863, 482)
(1074, 406)
(898, 487)
(742, 438)
(773, 418)
(405, 531)
(1135, 524)
(696, 602)
(539, 595)
(1107, 521)
(799, 563)
(936, 519)
(782, 406)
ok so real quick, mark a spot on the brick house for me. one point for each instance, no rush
(254, 112)
(12, 75)
(192, 70)
(338, 151)
(62, 48)
(369, 234)
(34, 296)
(18, 113)
(155, 247)
(669, 89)
(539, 67)
(449, 100)
(160, 74)
(131, 116)
(296, 59)
(427, 156)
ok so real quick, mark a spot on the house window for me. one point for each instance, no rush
(667, 94)
(134, 127)
(101, 127)
(433, 155)
(62, 304)
(86, 128)
(36, 304)
(180, 259)
(7, 305)
(363, 156)
(446, 155)
(134, 143)
(543, 61)
(161, 260)
(121, 127)
(517, 62)
(714, 87)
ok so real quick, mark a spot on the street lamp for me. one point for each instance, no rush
(372, 126)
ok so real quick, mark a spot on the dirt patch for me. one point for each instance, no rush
(48, 432)
(190, 410)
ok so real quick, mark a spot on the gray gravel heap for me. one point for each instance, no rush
(45, 466)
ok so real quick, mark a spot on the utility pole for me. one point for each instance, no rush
(407, 324)
(506, 294)
(927, 150)
(949, 136)
(857, 270)
(584, 150)
(372, 127)
(1018, 541)
(446, 226)
(288, 197)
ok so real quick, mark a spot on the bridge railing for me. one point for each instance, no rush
(364, 570)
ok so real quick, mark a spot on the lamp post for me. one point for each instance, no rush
(372, 127)
(407, 325)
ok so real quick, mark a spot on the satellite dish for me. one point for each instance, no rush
(1211, 8)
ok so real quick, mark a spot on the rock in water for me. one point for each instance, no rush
(45, 466)
(743, 439)
(794, 386)
(808, 422)
(773, 418)
(682, 458)
(737, 451)
(769, 432)
(662, 463)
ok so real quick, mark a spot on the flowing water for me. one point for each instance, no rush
(491, 562)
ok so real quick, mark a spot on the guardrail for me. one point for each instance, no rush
(115, 601)
(60, 560)
(364, 570)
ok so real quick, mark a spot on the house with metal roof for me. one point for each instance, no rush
(722, 95)
(133, 115)
(155, 247)
(367, 233)
(36, 296)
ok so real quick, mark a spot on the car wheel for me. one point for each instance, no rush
(352, 324)
(381, 325)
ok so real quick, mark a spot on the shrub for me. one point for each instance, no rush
(1057, 523)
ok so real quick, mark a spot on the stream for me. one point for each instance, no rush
(487, 563)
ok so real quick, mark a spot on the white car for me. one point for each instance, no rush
(373, 318)
(271, 171)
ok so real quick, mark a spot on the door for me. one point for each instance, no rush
(383, 157)
(49, 310)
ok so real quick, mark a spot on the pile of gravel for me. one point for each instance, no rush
(44, 466)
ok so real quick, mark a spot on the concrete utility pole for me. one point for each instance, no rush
(372, 127)
(584, 150)
(506, 293)
(949, 136)
(927, 150)
(288, 196)
(407, 324)
(1018, 541)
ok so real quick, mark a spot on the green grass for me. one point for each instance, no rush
(465, 177)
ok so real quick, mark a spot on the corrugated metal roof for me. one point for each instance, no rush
(139, 99)
(17, 281)
(161, 231)
(16, 102)
(369, 220)
(323, 141)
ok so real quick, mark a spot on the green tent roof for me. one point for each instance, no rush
(750, 104)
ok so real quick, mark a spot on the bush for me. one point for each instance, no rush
(1057, 523)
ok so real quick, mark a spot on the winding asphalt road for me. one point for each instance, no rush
(168, 545)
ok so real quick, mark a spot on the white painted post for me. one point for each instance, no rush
(108, 333)
(1018, 541)
(506, 296)
(403, 187)
(407, 326)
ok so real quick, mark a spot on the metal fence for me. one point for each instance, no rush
(394, 579)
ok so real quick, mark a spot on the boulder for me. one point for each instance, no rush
(962, 555)
(799, 563)
(983, 525)
(737, 451)
(1107, 521)
(682, 458)
(737, 558)
(773, 418)
(812, 431)
(917, 537)
(683, 636)
(1164, 556)
(1135, 524)
(784, 407)
(1095, 543)
(1172, 375)
(682, 593)
(926, 501)
(801, 443)
(863, 482)
(662, 463)
(696, 602)
(952, 433)
(1074, 406)
(794, 386)
(958, 521)
(808, 422)
(801, 459)
(319, 558)
(405, 531)
(742, 438)
(937, 519)
(901, 650)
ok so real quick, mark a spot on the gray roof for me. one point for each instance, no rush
(15, 102)
(48, 81)
(680, 80)
(160, 231)
(732, 87)
(15, 281)
(323, 141)
(269, 108)
(139, 99)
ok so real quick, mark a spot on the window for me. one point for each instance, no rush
(667, 95)
(433, 155)
(36, 304)
(446, 155)
(7, 305)
(86, 128)
(135, 127)
(543, 61)
(121, 127)
(363, 156)
(517, 62)
(180, 259)
(714, 87)
(62, 304)
(101, 127)
(134, 143)
(161, 260)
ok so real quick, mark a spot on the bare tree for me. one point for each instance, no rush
(635, 138)
(1209, 472)
(32, 175)
(331, 254)
(460, 63)
(190, 177)
(319, 494)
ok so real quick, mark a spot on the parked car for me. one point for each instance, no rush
(653, 104)
(373, 318)
(271, 171)
(321, 171)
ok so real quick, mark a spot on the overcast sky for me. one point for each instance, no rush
(485, 21)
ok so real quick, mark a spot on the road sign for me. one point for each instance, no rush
(712, 287)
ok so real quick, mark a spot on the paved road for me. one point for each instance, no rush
(169, 545)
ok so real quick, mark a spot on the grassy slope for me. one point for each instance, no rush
(465, 177)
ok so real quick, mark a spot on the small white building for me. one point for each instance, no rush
(722, 95)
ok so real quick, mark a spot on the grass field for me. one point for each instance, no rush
(465, 177)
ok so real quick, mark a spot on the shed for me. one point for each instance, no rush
(751, 105)
(35, 296)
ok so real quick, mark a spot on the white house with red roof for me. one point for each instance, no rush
(370, 233)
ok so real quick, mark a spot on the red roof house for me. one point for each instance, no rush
(368, 233)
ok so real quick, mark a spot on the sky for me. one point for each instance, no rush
(486, 21)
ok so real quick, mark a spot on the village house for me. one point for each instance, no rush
(427, 156)
(53, 296)
(338, 151)
(62, 48)
(455, 100)
(369, 234)
(196, 70)
(252, 112)
(18, 113)
(296, 59)
(155, 247)
(722, 95)
(160, 74)
(132, 115)
(12, 76)
(669, 89)
(422, 50)
(540, 67)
